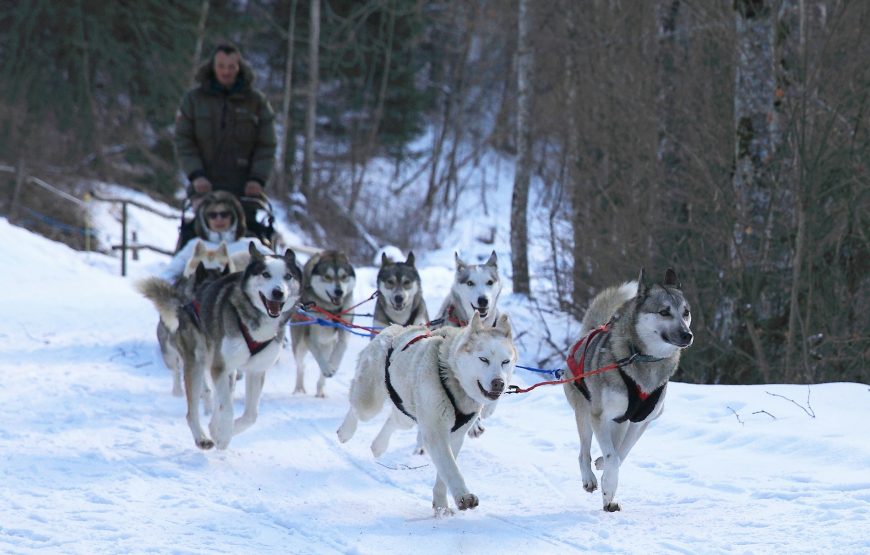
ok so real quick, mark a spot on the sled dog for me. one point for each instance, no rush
(234, 323)
(328, 281)
(647, 327)
(400, 294)
(439, 380)
(205, 265)
(211, 259)
(475, 287)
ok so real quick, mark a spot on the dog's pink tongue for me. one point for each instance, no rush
(273, 307)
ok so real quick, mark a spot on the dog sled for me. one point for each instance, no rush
(261, 226)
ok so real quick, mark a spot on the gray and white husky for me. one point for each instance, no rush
(440, 381)
(475, 287)
(647, 329)
(234, 323)
(400, 294)
(328, 282)
(204, 265)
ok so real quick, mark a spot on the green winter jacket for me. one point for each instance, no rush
(228, 136)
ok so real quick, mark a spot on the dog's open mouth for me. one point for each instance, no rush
(398, 306)
(336, 300)
(482, 311)
(273, 308)
(491, 395)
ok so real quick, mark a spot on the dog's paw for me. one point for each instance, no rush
(320, 394)
(612, 507)
(205, 444)
(599, 463)
(590, 485)
(442, 512)
(299, 390)
(476, 430)
(467, 501)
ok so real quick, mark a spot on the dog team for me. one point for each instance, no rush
(224, 319)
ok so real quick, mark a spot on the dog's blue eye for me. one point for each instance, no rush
(484, 360)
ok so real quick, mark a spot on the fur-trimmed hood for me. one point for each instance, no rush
(206, 78)
(239, 227)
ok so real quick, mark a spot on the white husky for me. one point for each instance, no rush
(440, 380)
(475, 287)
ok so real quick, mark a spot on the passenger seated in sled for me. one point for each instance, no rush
(219, 217)
(256, 217)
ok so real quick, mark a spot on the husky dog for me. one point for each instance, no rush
(647, 329)
(441, 381)
(475, 287)
(204, 265)
(211, 259)
(400, 296)
(234, 323)
(328, 279)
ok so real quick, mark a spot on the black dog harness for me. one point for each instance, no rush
(460, 419)
(640, 403)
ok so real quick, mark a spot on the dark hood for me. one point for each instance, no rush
(245, 81)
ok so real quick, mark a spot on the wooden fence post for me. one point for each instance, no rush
(20, 178)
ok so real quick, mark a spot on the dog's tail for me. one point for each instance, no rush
(165, 298)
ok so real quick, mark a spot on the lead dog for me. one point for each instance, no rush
(328, 282)
(235, 323)
(440, 381)
(647, 329)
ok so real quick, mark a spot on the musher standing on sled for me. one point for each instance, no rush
(224, 132)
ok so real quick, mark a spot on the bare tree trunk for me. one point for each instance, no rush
(200, 38)
(286, 147)
(372, 141)
(573, 173)
(311, 114)
(668, 23)
(522, 177)
(754, 131)
(791, 99)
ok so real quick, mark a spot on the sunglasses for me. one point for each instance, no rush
(216, 215)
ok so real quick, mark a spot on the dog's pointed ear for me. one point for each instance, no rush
(199, 248)
(642, 285)
(671, 279)
(410, 260)
(493, 260)
(222, 249)
(255, 252)
(503, 324)
(459, 263)
(227, 269)
(385, 260)
(475, 324)
(290, 257)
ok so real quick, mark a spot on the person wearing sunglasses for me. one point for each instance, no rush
(219, 218)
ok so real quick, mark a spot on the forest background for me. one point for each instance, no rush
(727, 139)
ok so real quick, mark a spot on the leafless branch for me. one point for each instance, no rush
(808, 409)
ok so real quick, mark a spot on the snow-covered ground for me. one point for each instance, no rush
(96, 456)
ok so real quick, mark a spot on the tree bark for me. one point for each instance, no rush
(522, 177)
(200, 38)
(311, 113)
(286, 146)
